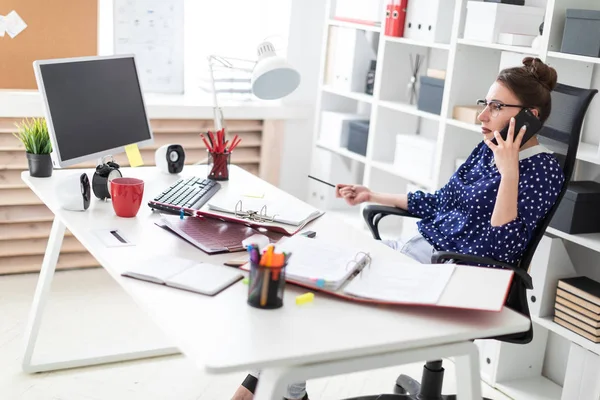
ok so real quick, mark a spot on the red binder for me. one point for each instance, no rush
(397, 18)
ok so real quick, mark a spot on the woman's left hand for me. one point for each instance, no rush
(506, 152)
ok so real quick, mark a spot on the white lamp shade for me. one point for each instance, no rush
(273, 77)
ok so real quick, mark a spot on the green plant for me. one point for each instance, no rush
(34, 135)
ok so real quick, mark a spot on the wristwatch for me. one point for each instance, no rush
(101, 180)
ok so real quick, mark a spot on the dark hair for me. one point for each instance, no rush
(531, 83)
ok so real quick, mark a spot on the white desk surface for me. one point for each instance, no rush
(222, 333)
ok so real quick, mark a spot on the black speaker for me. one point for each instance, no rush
(170, 158)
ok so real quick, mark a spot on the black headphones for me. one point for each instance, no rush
(105, 173)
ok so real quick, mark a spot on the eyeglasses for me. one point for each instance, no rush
(495, 106)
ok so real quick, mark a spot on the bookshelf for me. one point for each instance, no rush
(471, 67)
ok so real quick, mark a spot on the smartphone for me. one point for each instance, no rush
(524, 117)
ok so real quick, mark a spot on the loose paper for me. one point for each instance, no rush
(133, 155)
(2, 25)
(14, 24)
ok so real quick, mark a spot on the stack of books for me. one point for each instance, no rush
(577, 306)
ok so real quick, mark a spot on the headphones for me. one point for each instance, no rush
(105, 173)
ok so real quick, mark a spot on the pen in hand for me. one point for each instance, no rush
(319, 180)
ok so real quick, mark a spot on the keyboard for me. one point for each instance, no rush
(190, 193)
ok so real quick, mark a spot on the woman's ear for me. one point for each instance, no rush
(535, 112)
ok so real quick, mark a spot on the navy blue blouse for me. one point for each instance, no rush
(458, 216)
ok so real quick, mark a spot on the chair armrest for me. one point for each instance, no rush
(440, 256)
(373, 213)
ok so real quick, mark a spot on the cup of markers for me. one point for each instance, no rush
(267, 277)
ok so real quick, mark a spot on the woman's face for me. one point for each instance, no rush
(495, 117)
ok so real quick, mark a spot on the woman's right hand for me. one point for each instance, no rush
(353, 194)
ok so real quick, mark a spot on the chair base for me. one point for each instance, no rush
(407, 388)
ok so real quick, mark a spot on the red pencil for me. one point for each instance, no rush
(206, 143)
(212, 140)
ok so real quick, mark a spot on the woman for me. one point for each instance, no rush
(492, 203)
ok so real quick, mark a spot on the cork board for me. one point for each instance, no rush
(55, 29)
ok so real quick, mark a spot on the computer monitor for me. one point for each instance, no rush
(94, 107)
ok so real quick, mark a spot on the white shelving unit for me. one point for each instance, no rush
(471, 67)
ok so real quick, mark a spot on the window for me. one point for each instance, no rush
(230, 28)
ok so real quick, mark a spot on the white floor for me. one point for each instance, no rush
(88, 313)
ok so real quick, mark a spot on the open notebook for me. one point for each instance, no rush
(287, 217)
(353, 274)
(186, 274)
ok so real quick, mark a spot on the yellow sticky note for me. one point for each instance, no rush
(133, 155)
(256, 194)
(305, 298)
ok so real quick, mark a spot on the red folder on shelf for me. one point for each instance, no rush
(395, 18)
(324, 267)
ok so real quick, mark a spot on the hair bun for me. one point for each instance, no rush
(544, 73)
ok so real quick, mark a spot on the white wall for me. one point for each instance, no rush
(304, 52)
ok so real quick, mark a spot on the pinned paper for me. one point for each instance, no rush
(14, 24)
(133, 155)
(2, 25)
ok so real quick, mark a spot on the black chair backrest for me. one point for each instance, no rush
(561, 133)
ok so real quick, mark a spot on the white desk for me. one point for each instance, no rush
(222, 334)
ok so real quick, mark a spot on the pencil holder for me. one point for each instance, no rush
(266, 286)
(218, 166)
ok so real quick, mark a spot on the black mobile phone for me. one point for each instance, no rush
(524, 117)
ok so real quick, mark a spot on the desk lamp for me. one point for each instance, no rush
(272, 77)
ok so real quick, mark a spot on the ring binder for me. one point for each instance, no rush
(257, 216)
(360, 263)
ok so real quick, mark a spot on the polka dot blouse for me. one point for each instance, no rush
(458, 216)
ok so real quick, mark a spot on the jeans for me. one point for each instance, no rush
(417, 248)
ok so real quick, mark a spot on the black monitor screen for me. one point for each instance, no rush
(94, 105)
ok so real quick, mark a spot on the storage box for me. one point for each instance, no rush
(582, 33)
(362, 12)
(415, 154)
(428, 20)
(431, 91)
(467, 114)
(579, 209)
(515, 2)
(513, 39)
(334, 128)
(358, 136)
(485, 21)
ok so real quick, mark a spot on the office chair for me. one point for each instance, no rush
(560, 134)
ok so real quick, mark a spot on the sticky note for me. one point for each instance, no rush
(305, 298)
(257, 194)
(133, 155)
(14, 24)
(2, 25)
(246, 281)
(321, 283)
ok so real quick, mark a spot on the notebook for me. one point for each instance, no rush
(287, 216)
(186, 274)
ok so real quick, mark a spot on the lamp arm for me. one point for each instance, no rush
(217, 112)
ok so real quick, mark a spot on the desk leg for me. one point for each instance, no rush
(36, 313)
(468, 385)
(274, 381)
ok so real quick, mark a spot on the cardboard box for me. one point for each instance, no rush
(467, 114)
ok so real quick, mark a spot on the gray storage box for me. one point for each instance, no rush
(431, 92)
(358, 135)
(582, 33)
(579, 209)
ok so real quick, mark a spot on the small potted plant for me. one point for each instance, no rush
(36, 139)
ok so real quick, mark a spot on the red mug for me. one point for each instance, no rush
(126, 195)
